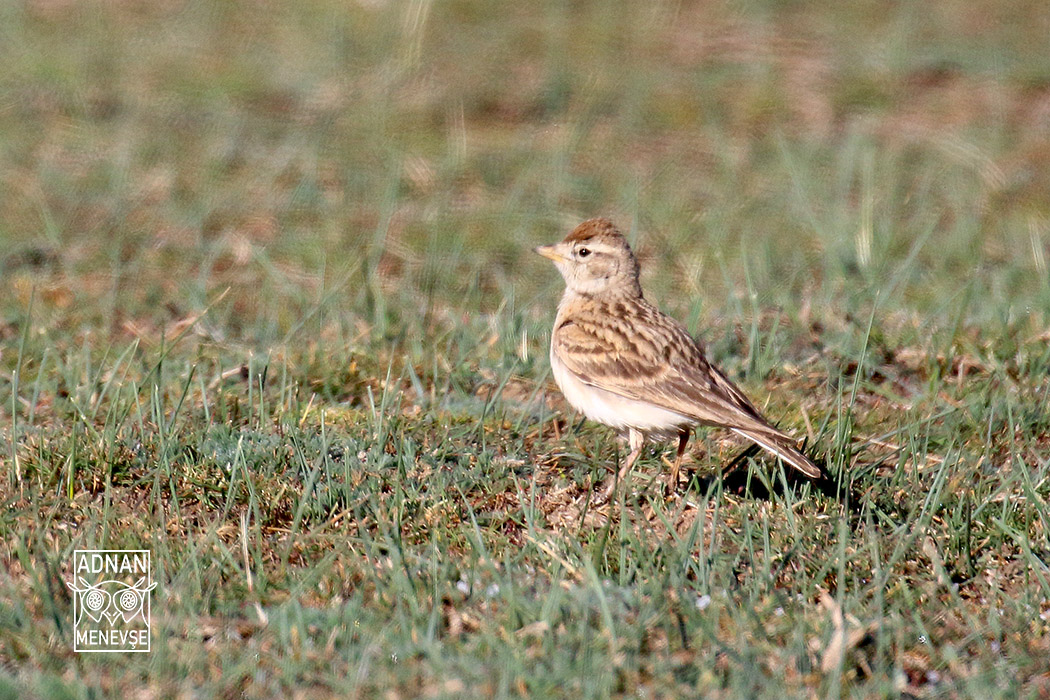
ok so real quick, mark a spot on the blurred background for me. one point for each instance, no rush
(268, 307)
(388, 165)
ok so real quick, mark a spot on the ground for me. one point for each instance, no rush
(268, 309)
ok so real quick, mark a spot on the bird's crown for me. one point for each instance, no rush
(595, 229)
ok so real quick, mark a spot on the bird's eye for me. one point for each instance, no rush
(583, 252)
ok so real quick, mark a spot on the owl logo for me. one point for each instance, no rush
(110, 599)
(111, 591)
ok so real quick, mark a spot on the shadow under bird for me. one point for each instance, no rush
(622, 362)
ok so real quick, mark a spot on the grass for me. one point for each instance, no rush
(268, 309)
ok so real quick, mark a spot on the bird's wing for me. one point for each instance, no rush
(652, 358)
(647, 356)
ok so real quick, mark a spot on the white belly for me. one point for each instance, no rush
(614, 410)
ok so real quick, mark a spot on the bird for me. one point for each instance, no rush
(622, 362)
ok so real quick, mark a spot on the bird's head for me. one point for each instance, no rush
(595, 259)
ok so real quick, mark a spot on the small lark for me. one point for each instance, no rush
(622, 362)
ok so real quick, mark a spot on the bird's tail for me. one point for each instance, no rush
(784, 447)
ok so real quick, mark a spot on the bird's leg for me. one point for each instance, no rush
(672, 481)
(636, 439)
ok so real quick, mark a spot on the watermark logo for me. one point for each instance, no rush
(111, 599)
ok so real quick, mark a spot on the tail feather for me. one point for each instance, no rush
(784, 447)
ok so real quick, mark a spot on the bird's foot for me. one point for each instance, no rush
(607, 491)
(671, 486)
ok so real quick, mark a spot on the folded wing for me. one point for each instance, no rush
(660, 363)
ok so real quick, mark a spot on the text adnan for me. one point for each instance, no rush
(113, 563)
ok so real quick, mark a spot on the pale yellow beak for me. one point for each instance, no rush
(550, 252)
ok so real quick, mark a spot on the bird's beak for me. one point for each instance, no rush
(550, 252)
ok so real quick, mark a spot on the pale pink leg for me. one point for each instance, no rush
(636, 439)
(672, 481)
